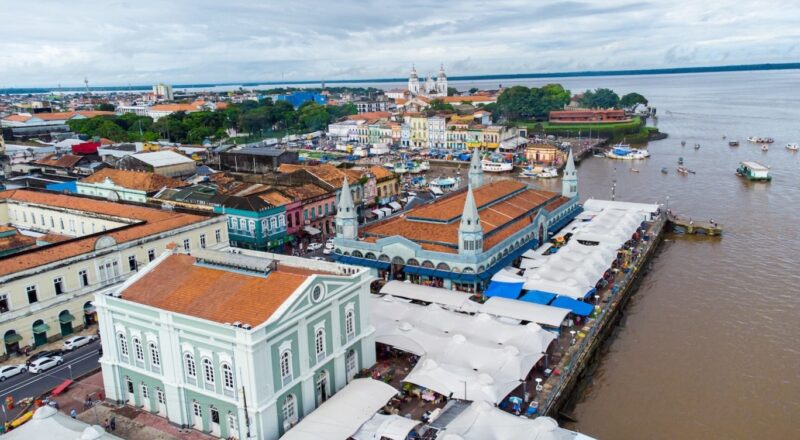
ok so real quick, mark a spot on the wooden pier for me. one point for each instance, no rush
(690, 226)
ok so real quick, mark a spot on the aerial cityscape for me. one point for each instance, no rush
(399, 221)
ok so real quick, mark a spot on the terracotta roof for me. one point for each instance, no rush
(499, 220)
(179, 285)
(17, 118)
(304, 192)
(191, 107)
(275, 198)
(65, 161)
(151, 222)
(473, 98)
(326, 172)
(53, 238)
(380, 172)
(370, 115)
(16, 241)
(137, 180)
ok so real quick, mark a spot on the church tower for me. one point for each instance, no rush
(346, 219)
(475, 169)
(470, 233)
(569, 183)
(441, 82)
(413, 82)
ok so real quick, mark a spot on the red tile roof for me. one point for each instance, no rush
(181, 286)
(150, 222)
(136, 180)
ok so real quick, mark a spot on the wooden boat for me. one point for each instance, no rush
(664, 170)
(683, 170)
(680, 161)
(696, 146)
(733, 143)
(792, 147)
(634, 170)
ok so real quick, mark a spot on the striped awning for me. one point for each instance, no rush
(41, 328)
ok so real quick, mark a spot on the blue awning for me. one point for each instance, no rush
(347, 259)
(577, 307)
(538, 297)
(411, 269)
(591, 292)
(504, 290)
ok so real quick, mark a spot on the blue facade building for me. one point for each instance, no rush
(299, 98)
(254, 223)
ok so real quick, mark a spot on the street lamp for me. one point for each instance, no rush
(539, 386)
(572, 341)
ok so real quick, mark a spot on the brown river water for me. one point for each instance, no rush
(710, 345)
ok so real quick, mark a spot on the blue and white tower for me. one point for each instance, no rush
(475, 169)
(569, 183)
(470, 232)
(346, 218)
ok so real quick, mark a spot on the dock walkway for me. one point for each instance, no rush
(694, 227)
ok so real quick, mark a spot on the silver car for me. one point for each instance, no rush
(44, 364)
(11, 371)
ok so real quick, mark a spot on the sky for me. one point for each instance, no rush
(47, 43)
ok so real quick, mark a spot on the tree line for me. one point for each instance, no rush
(520, 103)
(256, 118)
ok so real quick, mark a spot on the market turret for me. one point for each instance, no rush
(475, 169)
(569, 182)
(470, 232)
(346, 218)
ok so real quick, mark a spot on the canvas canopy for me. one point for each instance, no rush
(483, 421)
(454, 300)
(382, 426)
(524, 311)
(504, 289)
(47, 422)
(344, 413)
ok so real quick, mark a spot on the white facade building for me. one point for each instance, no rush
(432, 87)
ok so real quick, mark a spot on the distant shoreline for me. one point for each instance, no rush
(502, 76)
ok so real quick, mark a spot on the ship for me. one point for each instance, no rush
(491, 166)
(754, 172)
(624, 152)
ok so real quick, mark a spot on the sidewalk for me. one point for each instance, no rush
(57, 344)
(132, 423)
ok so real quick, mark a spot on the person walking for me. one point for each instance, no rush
(73, 413)
(112, 423)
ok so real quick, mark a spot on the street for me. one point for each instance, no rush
(76, 363)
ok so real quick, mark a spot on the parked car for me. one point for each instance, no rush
(44, 353)
(329, 245)
(44, 364)
(11, 371)
(314, 246)
(318, 258)
(327, 250)
(78, 341)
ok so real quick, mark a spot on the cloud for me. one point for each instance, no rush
(47, 42)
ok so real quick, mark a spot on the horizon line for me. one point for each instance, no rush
(500, 76)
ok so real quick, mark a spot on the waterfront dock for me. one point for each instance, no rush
(689, 226)
(580, 348)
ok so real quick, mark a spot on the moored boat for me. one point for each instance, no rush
(680, 161)
(754, 172)
(765, 147)
(624, 152)
(496, 167)
(733, 143)
(664, 170)
(683, 170)
(792, 147)
(760, 140)
(548, 173)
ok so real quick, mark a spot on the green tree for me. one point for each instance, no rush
(313, 116)
(438, 105)
(473, 90)
(452, 91)
(631, 99)
(109, 129)
(105, 107)
(600, 98)
(516, 103)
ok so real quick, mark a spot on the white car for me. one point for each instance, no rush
(329, 245)
(327, 251)
(314, 246)
(45, 363)
(11, 371)
(78, 341)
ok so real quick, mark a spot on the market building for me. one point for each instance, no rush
(237, 345)
(460, 240)
(69, 248)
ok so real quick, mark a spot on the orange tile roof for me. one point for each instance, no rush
(499, 220)
(473, 98)
(17, 118)
(179, 285)
(326, 172)
(151, 222)
(274, 197)
(16, 241)
(380, 172)
(137, 180)
(65, 161)
(370, 115)
(53, 238)
(304, 192)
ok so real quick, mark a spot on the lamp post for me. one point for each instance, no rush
(539, 386)
(572, 340)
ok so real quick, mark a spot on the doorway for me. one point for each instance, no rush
(323, 390)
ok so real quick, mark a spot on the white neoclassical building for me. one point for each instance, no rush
(430, 87)
(240, 345)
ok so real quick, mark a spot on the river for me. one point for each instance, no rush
(710, 346)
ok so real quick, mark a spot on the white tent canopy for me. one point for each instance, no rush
(483, 421)
(380, 426)
(454, 300)
(47, 422)
(343, 414)
(486, 354)
(525, 311)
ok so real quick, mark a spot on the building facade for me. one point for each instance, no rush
(46, 292)
(208, 351)
(431, 87)
(253, 223)
(129, 186)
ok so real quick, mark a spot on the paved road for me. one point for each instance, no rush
(76, 363)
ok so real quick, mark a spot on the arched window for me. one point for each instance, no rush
(369, 256)
(227, 376)
(138, 351)
(319, 343)
(398, 261)
(191, 367)
(427, 264)
(357, 254)
(286, 366)
(384, 258)
(443, 266)
(155, 356)
(208, 371)
(289, 411)
(123, 344)
(350, 324)
(412, 262)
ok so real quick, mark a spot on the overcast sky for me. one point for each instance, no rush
(46, 43)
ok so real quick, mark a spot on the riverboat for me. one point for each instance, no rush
(496, 167)
(443, 184)
(548, 173)
(620, 152)
(754, 172)
(680, 161)
(418, 167)
(733, 143)
(760, 140)
(696, 146)
(792, 147)
(765, 147)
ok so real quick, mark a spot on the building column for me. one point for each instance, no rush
(448, 283)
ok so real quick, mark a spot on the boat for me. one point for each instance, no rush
(696, 146)
(444, 183)
(765, 147)
(528, 173)
(418, 167)
(599, 155)
(680, 161)
(400, 168)
(626, 153)
(792, 147)
(733, 143)
(760, 140)
(683, 170)
(634, 170)
(683, 143)
(548, 173)
(491, 166)
(754, 172)
(664, 170)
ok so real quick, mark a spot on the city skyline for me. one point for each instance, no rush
(182, 43)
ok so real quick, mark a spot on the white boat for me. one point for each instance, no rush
(528, 173)
(621, 152)
(400, 168)
(548, 173)
(496, 167)
(765, 147)
(792, 147)
(760, 140)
